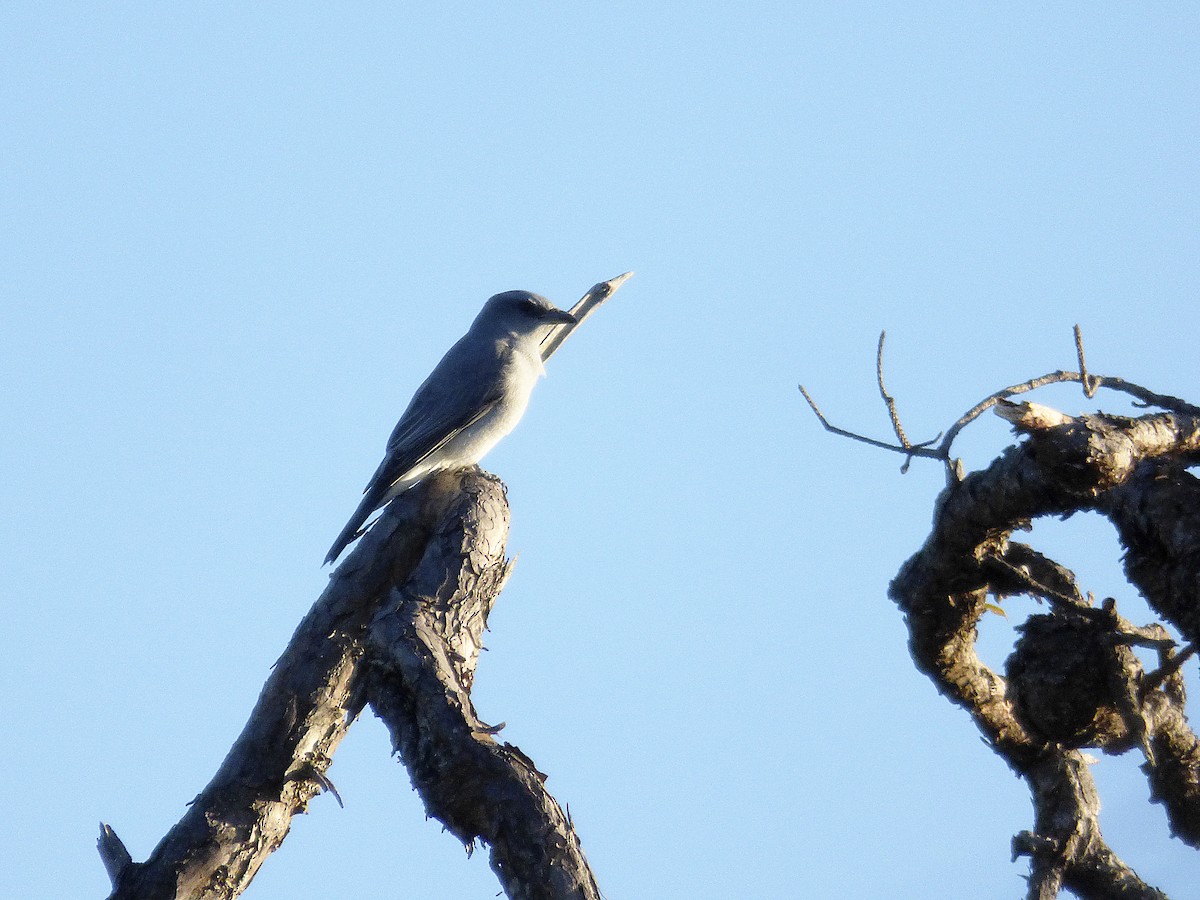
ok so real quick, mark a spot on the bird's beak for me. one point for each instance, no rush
(614, 283)
(559, 317)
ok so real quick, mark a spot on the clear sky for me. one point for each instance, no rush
(237, 236)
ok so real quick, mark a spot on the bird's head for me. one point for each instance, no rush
(520, 313)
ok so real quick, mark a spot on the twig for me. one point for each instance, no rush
(1058, 599)
(921, 449)
(926, 449)
(888, 400)
(1089, 386)
(1004, 393)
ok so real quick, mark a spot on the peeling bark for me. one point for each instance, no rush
(433, 564)
(423, 647)
(278, 762)
(1072, 682)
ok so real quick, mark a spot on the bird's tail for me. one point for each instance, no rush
(354, 528)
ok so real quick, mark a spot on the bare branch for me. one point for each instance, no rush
(992, 399)
(419, 667)
(1068, 686)
(911, 450)
(112, 853)
(1067, 849)
(1170, 666)
(1072, 680)
(1089, 385)
(317, 688)
(1061, 600)
(277, 764)
(1157, 514)
(888, 400)
(942, 450)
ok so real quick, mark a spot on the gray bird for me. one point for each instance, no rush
(473, 398)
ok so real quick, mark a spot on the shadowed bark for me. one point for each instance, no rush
(423, 647)
(278, 762)
(1073, 681)
(400, 625)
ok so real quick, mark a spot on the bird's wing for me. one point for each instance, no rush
(457, 394)
(424, 428)
(463, 388)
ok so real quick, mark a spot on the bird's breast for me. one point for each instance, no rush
(518, 374)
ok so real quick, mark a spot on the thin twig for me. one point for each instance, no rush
(926, 449)
(1123, 632)
(992, 399)
(921, 449)
(1089, 386)
(888, 400)
(1058, 600)
(1147, 397)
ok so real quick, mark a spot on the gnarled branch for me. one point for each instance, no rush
(278, 762)
(1072, 681)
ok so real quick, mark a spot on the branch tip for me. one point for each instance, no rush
(1089, 383)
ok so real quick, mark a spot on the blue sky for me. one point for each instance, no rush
(236, 239)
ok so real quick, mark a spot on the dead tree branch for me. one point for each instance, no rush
(423, 647)
(940, 450)
(277, 764)
(399, 626)
(1072, 682)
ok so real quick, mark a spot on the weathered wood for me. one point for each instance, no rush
(1067, 464)
(401, 624)
(419, 667)
(277, 764)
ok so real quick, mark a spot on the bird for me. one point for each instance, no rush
(473, 397)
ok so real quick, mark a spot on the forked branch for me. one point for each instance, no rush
(1073, 681)
(941, 449)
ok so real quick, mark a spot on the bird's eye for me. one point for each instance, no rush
(532, 307)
